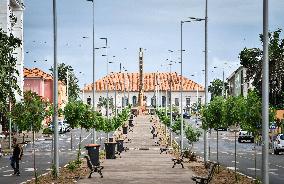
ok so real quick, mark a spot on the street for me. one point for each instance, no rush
(44, 156)
(245, 155)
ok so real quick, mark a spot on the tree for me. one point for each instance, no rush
(8, 71)
(213, 116)
(73, 87)
(29, 114)
(192, 135)
(251, 58)
(216, 88)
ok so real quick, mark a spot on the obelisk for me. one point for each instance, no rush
(141, 105)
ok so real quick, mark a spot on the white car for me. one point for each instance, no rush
(61, 127)
(279, 144)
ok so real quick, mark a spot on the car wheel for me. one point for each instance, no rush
(252, 140)
(276, 152)
(239, 140)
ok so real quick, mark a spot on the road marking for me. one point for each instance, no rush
(8, 175)
(8, 171)
(253, 169)
(279, 166)
(234, 162)
(29, 169)
(232, 168)
(273, 173)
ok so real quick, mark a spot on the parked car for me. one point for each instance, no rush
(186, 115)
(245, 136)
(278, 144)
(61, 127)
(67, 126)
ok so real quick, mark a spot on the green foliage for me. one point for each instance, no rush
(29, 114)
(73, 87)
(103, 103)
(73, 165)
(212, 114)
(164, 118)
(176, 127)
(192, 134)
(47, 131)
(216, 88)
(251, 58)
(233, 111)
(8, 71)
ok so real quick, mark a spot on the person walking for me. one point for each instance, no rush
(16, 157)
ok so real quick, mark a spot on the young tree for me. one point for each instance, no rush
(29, 114)
(192, 135)
(8, 71)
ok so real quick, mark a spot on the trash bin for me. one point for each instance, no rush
(130, 122)
(110, 150)
(94, 153)
(124, 130)
(120, 147)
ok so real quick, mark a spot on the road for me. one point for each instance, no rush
(245, 155)
(44, 155)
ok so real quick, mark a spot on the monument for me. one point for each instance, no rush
(141, 103)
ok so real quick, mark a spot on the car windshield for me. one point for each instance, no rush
(282, 137)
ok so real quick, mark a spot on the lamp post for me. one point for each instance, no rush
(265, 95)
(55, 91)
(206, 75)
(181, 82)
(106, 55)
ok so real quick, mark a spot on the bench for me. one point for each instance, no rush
(165, 149)
(98, 168)
(208, 178)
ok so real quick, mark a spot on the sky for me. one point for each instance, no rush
(150, 24)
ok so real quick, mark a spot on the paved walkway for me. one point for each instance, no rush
(141, 166)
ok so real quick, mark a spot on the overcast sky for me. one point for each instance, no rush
(150, 24)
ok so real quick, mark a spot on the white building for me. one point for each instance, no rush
(238, 84)
(11, 21)
(127, 84)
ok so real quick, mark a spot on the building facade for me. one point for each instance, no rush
(11, 21)
(41, 83)
(238, 84)
(157, 90)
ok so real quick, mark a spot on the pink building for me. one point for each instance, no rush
(40, 82)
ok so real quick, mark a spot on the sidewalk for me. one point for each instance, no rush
(143, 163)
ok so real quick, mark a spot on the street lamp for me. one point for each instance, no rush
(181, 82)
(206, 75)
(55, 92)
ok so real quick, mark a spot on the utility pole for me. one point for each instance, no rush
(265, 96)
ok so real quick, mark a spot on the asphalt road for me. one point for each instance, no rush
(43, 147)
(245, 155)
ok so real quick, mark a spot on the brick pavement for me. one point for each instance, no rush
(142, 166)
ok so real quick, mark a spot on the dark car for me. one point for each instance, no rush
(186, 116)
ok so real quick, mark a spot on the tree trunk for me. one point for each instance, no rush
(236, 156)
(218, 151)
(34, 157)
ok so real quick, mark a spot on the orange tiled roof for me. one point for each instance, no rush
(120, 81)
(36, 73)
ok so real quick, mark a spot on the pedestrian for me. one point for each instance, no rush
(16, 157)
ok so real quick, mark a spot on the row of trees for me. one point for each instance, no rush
(29, 114)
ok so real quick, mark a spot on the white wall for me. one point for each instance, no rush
(149, 95)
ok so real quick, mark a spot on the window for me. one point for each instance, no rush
(164, 101)
(134, 100)
(153, 101)
(199, 101)
(187, 101)
(176, 101)
(89, 101)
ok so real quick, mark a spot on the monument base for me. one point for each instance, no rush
(142, 110)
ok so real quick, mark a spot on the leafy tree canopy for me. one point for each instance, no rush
(73, 87)
(216, 88)
(30, 113)
(8, 71)
(251, 58)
